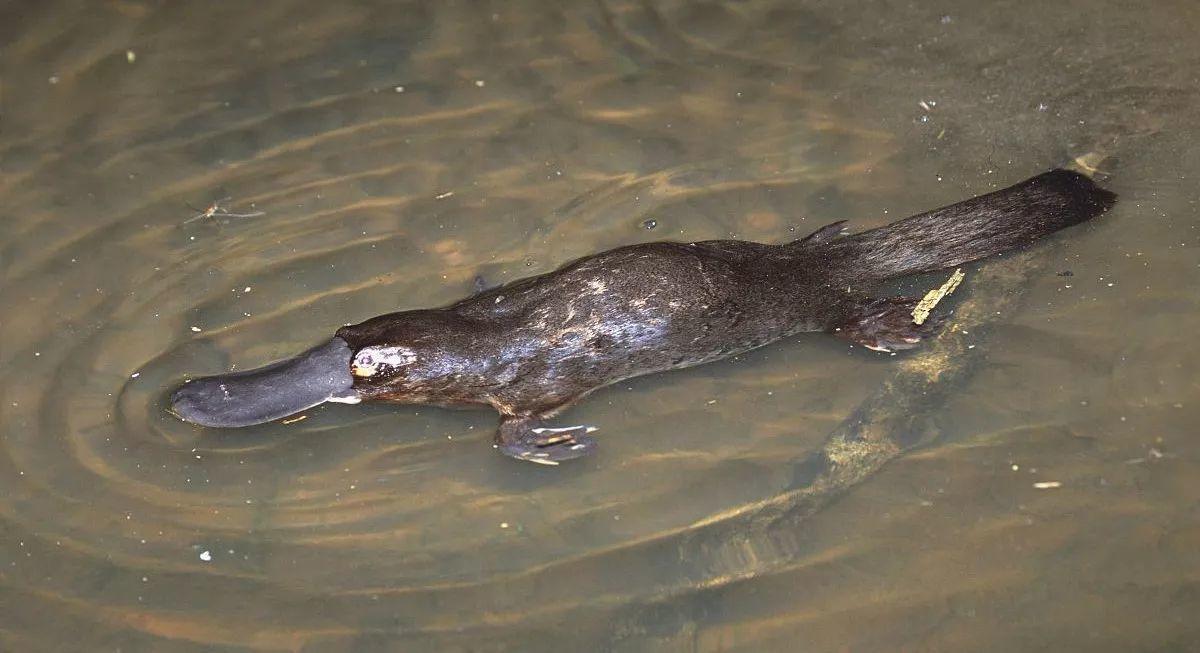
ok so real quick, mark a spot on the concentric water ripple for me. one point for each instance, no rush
(390, 171)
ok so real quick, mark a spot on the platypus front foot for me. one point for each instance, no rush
(525, 438)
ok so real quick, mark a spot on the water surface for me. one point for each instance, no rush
(398, 150)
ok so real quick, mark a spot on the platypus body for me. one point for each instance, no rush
(535, 346)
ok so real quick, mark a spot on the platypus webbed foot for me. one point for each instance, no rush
(525, 438)
(886, 324)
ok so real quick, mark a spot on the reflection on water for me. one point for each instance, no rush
(399, 150)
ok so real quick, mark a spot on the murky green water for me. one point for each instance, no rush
(399, 150)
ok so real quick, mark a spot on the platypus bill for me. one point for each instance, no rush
(533, 347)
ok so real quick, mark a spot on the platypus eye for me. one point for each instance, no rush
(389, 359)
(363, 365)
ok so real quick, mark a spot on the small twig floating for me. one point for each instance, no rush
(931, 298)
(215, 210)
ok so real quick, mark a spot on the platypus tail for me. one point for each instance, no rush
(984, 226)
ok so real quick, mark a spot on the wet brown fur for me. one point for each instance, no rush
(535, 346)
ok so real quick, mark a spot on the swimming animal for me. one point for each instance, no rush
(533, 347)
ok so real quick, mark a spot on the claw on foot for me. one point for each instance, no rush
(887, 325)
(544, 445)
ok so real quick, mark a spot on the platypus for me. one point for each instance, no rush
(533, 347)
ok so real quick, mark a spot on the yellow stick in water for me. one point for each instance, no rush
(931, 299)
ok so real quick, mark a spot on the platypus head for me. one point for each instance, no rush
(409, 356)
(256, 396)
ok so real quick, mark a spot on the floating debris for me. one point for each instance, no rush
(1151, 454)
(931, 299)
(215, 210)
(649, 224)
(1047, 485)
(130, 56)
(295, 419)
(1089, 163)
(444, 195)
(206, 556)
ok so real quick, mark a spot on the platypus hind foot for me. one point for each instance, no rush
(886, 324)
